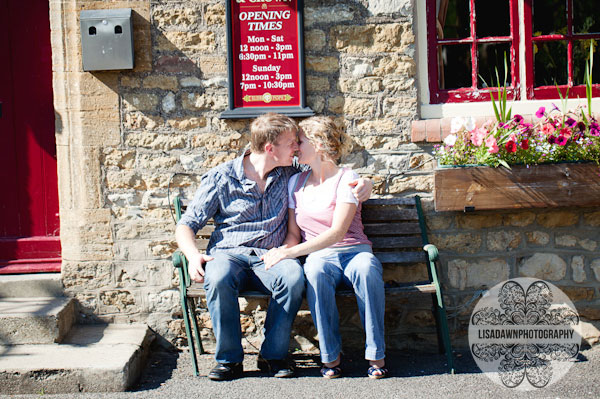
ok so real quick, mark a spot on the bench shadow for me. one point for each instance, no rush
(158, 369)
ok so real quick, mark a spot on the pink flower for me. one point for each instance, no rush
(540, 112)
(548, 129)
(491, 144)
(477, 136)
(565, 132)
(561, 140)
(510, 146)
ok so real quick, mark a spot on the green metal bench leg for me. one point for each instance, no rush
(187, 314)
(192, 306)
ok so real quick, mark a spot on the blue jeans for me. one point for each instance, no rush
(325, 271)
(226, 276)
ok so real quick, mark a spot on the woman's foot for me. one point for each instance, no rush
(377, 369)
(332, 369)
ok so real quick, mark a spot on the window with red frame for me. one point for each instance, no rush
(468, 41)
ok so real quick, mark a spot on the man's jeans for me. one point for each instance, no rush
(325, 270)
(226, 276)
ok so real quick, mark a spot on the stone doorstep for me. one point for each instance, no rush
(96, 358)
(35, 320)
(31, 285)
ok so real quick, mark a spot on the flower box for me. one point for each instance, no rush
(540, 186)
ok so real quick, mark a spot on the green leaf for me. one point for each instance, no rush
(503, 163)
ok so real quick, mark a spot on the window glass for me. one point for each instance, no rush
(456, 67)
(493, 18)
(586, 16)
(491, 57)
(453, 19)
(549, 17)
(581, 53)
(550, 63)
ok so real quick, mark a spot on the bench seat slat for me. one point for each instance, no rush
(396, 242)
(400, 257)
(391, 229)
(377, 214)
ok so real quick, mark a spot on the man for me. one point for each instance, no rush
(247, 198)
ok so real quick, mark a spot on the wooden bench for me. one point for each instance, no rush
(397, 229)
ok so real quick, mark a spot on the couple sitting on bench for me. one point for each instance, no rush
(267, 213)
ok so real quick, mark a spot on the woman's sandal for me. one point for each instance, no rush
(331, 372)
(377, 372)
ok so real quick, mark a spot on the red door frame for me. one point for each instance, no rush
(29, 224)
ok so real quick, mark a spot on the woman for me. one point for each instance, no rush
(326, 216)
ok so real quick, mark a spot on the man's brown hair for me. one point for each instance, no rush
(267, 128)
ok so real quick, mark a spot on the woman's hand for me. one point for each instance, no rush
(274, 256)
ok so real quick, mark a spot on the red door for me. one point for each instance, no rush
(29, 225)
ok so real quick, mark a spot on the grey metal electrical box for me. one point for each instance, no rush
(106, 39)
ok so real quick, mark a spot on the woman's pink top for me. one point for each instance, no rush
(314, 214)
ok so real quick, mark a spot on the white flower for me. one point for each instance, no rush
(456, 124)
(450, 140)
(470, 123)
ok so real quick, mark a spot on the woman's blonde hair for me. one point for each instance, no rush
(326, 136)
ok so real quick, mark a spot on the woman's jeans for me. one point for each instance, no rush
(226, 276)
(325, 270)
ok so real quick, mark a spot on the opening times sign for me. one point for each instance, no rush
(265, 58)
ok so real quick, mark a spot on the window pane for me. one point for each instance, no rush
(456, 67)
(586, 18)
(581, 52)
(550, 63)
(493, 18)
(453, 18)
(491, 57)
(549, 17)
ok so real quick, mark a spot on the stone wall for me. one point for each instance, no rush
(129, 140)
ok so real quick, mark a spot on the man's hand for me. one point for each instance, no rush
(196, 266)
(275, 255)
(362, 189)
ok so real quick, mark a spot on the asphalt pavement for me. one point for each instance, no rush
(412, 375)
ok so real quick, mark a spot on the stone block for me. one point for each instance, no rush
(578, 293)
(124, 179)
(360, 107)
(469, 273)
(328, 15)
(400, 106)
(211, 65)
(578, 268)
(546, 266)
(187, 42)
(459, 242)
(398, 86)
(395, 64)
(204, 102)
(537, 237)
(477, 222)
(437, 222)
(314, 40)
(122, 159)
(155, 141)
(365, 85)
(130, 81)
(595, 266)
(190, 81)
(386, 7)
(217, 142)
(503, 240)
(377, 126)
(411, 184)
(163, 82)
(336, 104)
(187, 123)
(217, 159)
(142, 273)
(520, 219)
(118, 301)
(170, 15)
(155, 161)
(141, 121)
(592, 219)
(215, 14)
(316, 103)
(557, 219)
(86, 275)
(140, 101)
(322, 64)
(168, 103)
(174, 64)
(422, 162)
(317, 83)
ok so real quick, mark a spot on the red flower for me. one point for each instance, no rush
(525, 144)
(511, 146)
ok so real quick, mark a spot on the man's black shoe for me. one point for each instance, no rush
(226, 371)
(278, 368)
